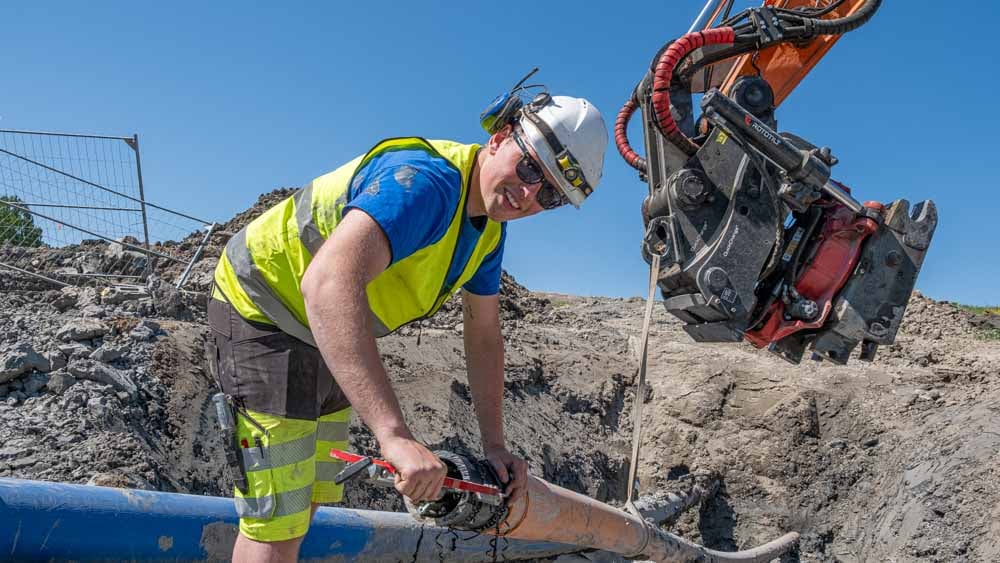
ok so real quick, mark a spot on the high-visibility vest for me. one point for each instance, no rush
(260, 272)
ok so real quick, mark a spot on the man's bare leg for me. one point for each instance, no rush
(247, 550)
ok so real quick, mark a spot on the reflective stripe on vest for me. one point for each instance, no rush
(257, 288)
(262, 267)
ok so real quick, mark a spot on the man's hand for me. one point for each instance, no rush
(513, 472)
(419, 473)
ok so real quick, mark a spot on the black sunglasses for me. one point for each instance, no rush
(530, 172)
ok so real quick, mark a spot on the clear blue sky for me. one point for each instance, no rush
(234, 99)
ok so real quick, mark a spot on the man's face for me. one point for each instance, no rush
(506, 196)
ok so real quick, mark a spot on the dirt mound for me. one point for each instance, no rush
(892, 460)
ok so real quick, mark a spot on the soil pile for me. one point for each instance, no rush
(888, 461)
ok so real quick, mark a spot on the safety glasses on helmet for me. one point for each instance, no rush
(530, 172)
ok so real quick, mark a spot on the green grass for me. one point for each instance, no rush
(989, 334)
(980, 309)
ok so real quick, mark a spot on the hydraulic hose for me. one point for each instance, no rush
(621, 137)
(744, 39)
(843, 25)
(663, 74)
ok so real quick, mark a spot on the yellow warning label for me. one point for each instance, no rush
(722, 138)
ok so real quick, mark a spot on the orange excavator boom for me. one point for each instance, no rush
(785, 65)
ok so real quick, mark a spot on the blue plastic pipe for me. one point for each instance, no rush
(44, 521)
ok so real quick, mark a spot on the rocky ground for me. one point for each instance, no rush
(889, 461)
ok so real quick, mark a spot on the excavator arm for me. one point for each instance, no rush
(756, 240)
(783, 65)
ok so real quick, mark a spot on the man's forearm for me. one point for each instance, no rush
(341, 324)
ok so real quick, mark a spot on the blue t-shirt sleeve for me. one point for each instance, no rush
(411, 194)
(486, 280)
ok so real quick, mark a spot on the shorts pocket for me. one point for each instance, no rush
(279, 466)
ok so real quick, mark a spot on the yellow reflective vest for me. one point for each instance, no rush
(260, 272)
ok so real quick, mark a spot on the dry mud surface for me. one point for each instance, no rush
(889, 461)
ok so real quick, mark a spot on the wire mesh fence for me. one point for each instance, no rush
(73, 210)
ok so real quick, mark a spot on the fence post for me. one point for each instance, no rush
(134, 143)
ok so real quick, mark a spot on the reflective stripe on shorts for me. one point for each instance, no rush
(276, 505)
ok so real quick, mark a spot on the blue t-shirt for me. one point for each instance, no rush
(412, 195)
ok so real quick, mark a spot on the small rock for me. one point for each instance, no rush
(141, 334)
(103, 373)
(66, 298)
(122, 396)
(106, 354)
(74, 400)
(146, 330)
(12, 452)
(11, 401)
(145, 308)
(870, 443)
(74, 350)
(93, 311)
(88, 296)
(81, 329)
(60, 381)
(838, 444)
(121, 294)
(167, 299)
(23, 462)
(34, 383)
(22, 358)
(56, 359)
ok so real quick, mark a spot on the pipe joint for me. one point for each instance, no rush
(463, 510)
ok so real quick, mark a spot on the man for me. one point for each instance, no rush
(305, 289)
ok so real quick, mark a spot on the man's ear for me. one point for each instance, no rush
(494, 143)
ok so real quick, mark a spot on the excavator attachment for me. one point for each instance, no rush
(756, 240)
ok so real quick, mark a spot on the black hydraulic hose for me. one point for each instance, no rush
(806, 28)
(810, 12)
(812, 26)
(849, 23)
(739, 48)
(815, 213)
(791, 272)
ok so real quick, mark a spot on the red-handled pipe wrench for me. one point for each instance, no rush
(381, 472)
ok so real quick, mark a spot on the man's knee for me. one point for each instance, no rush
(248, 550)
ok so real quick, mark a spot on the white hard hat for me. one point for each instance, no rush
(569, 137)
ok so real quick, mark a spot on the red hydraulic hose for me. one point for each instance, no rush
(621, 137)
(663, 73)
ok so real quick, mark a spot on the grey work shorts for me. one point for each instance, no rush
(267, 370)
